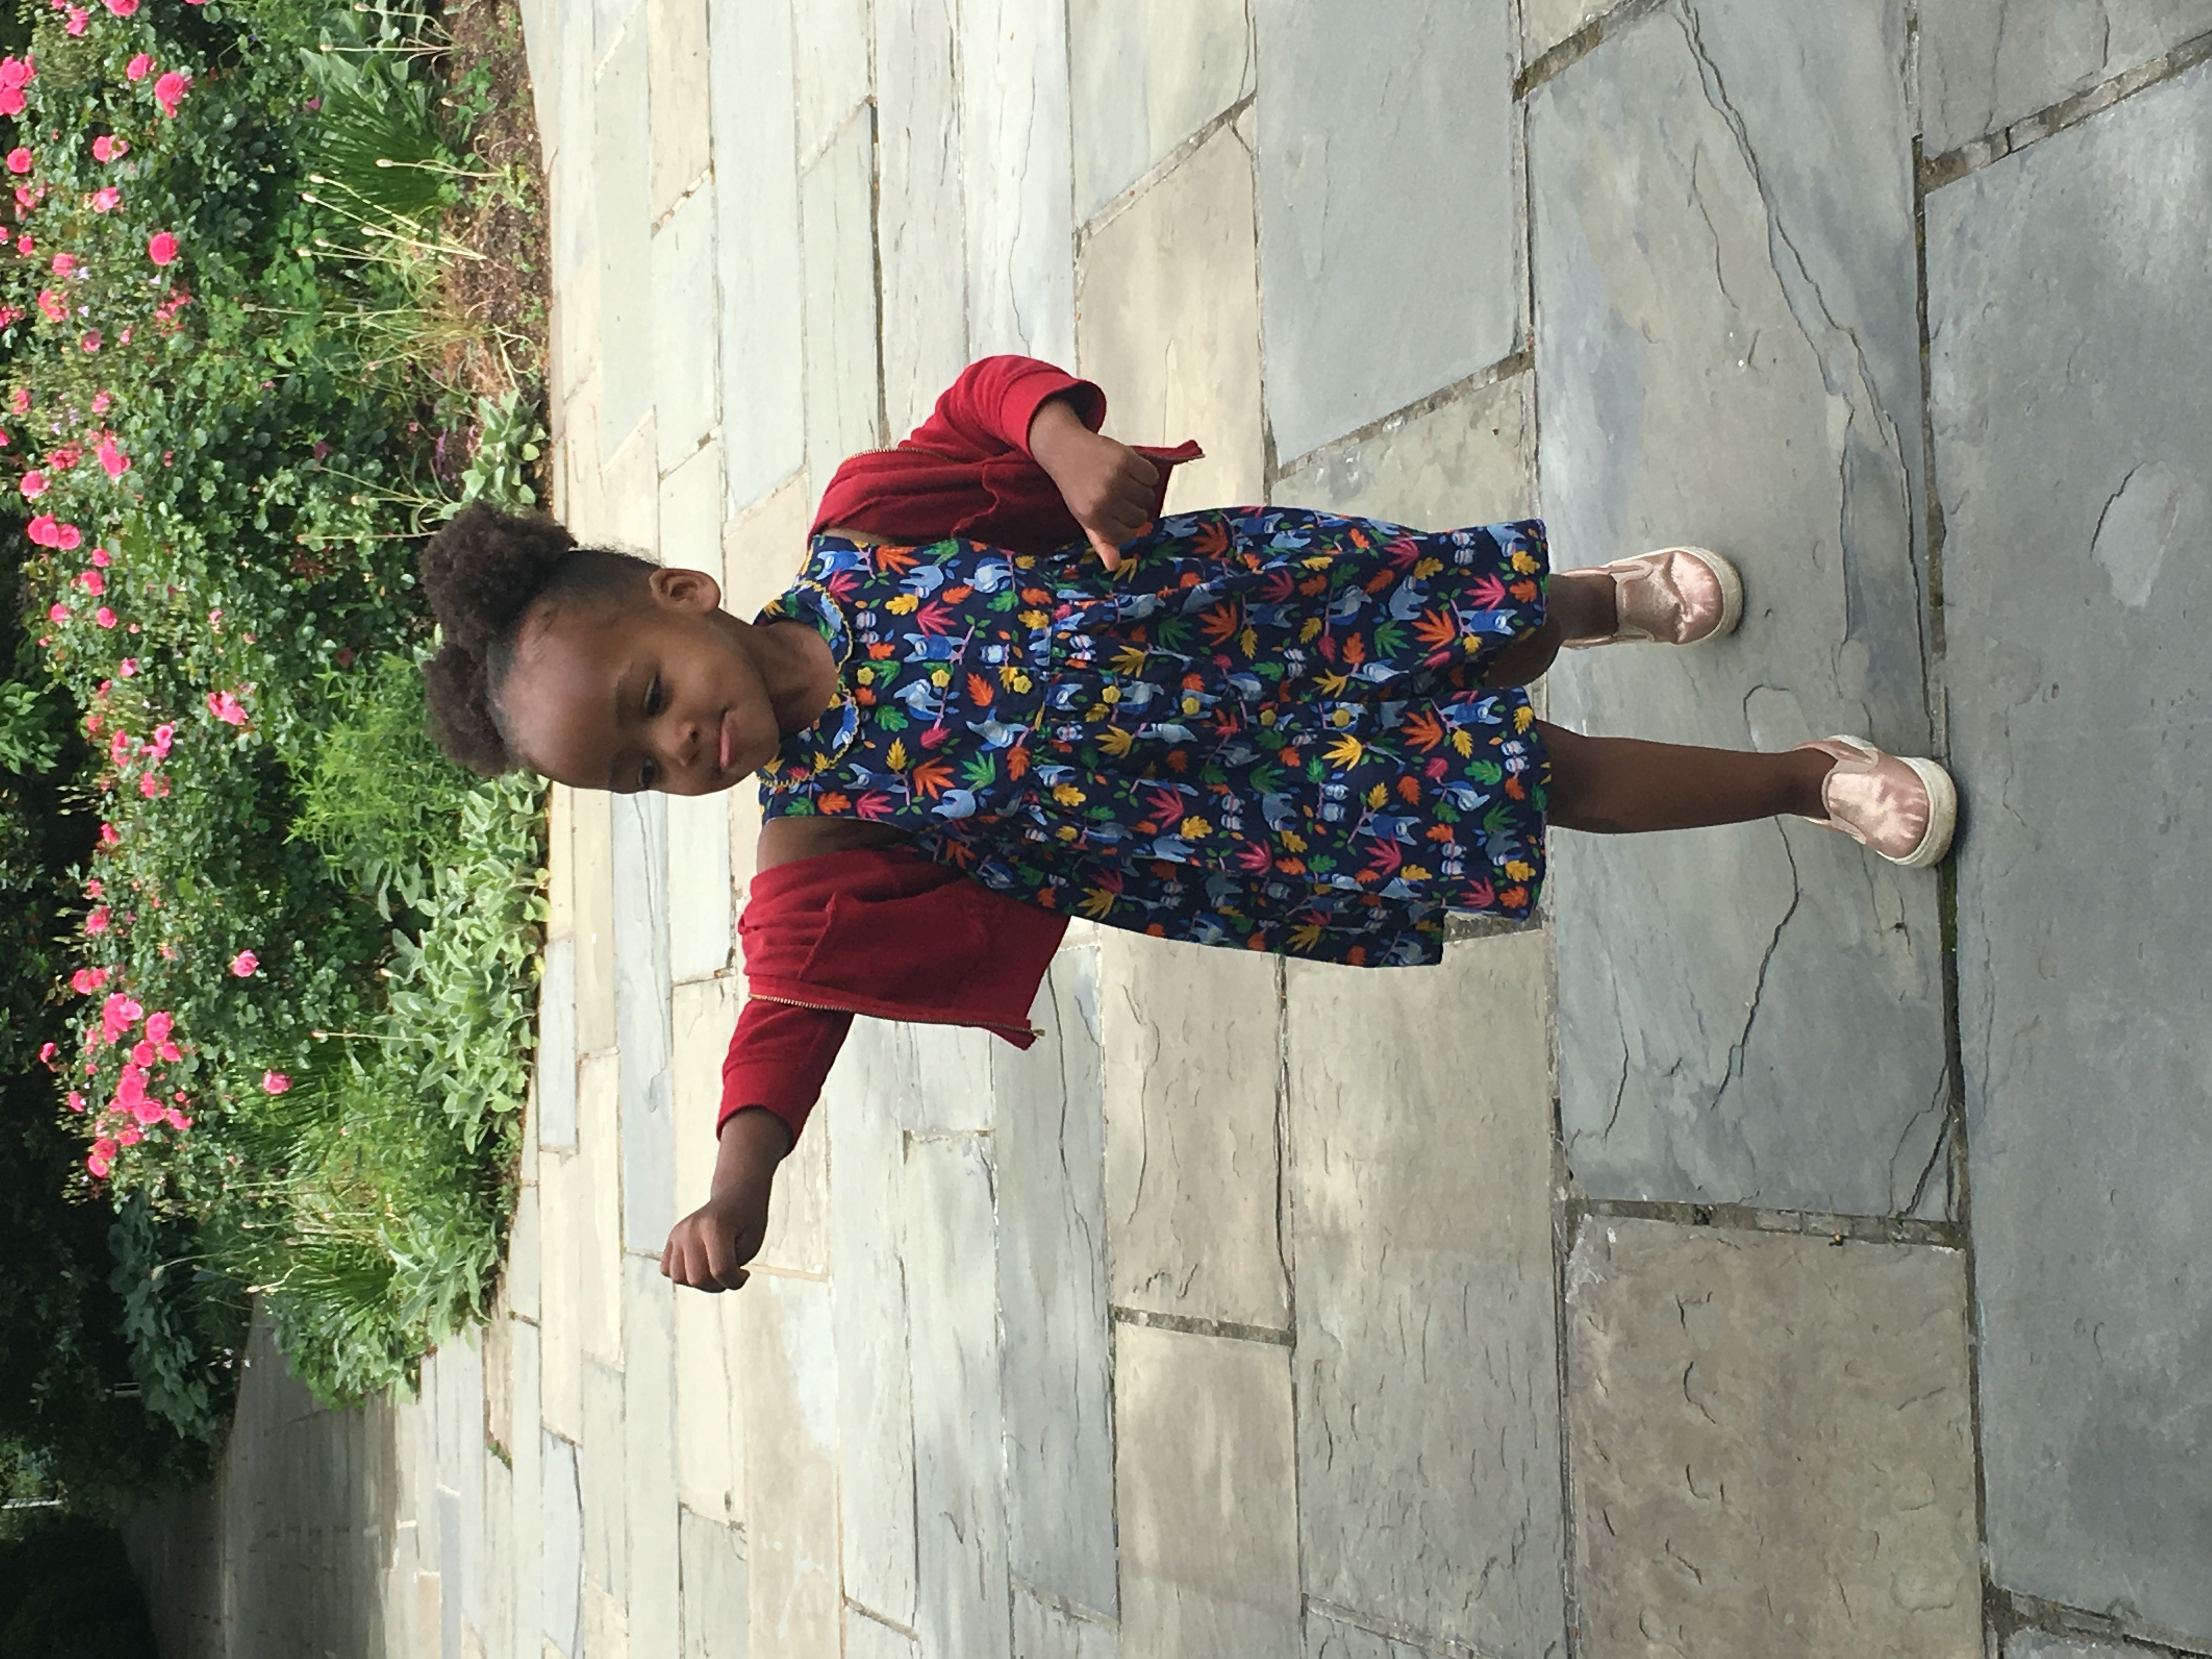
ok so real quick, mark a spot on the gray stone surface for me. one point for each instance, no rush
(1427, 1362)
(1545, 23)
(1769, 1445)
(683, 339)
(555, 1066)
(2069, 442)
(1048, 1630)
(562, 1568)
(532, 1514)
(1014, 133)
(1146, 78)
(2042, 1644)
(837, 228)
(830, 67)
(649, 1455)
(757, 248)
(1208, 1494)
(875, 1399)
(1177, 264)
(677, 76)
(714, 1595)
(642, 1019)
(1193, 1153)
(601, 1480)
(1377, 287)
(621, 181)
(1726, 338)
(951, 1230)
(920, 205)
(1469, 459)
(1057, 1377)
(1986, 64)
(789, 1347)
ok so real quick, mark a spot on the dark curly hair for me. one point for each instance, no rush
(483, 572)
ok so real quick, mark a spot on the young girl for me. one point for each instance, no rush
(1259, 727)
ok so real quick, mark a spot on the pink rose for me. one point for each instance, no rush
(169, 91)
(128, 667)
(104, 617)
(76, 1101)
(112, 461)
(275, 1082)
(57, 613)
(140, 67)
(101, 403)
(90, 343)
(109, 148)
(153, 785)
(35, 485)
(161, 248)
(86, 981)
(122, 8)
(19, 159)
(45, 530)
(142, 1053)
(51, 306)
(164, 735)
(93, 583)
(20, 400)
(101, 556)
(25, 245)
(68, 538)
(77, 18)
(100, 1166)
(64, 264)
(106, 199)
(130, 1136)
(244, 963)
(97, 921)
(109, 835)
(12, 101)
(226, 707)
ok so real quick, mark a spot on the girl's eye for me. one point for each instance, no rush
(646, 773)
(653, 697)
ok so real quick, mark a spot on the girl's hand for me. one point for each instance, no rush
(708, 1248)
(1107, 485)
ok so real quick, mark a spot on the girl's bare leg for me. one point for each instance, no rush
(1582, 606)
(1622, 786)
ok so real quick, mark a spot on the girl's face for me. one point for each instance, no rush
(662, 692)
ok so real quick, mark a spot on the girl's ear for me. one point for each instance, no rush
(693, 589)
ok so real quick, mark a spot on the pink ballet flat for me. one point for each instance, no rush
(1676, 596)
(1903, 807)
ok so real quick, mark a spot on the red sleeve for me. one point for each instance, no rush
(988, 410)
(779, 1056)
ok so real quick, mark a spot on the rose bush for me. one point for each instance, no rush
(220, 464)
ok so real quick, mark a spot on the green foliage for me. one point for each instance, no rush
(284, 951)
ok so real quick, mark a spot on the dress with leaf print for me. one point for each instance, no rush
(1267, 730)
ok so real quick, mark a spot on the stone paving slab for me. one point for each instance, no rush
(1427, 1364)
(712, 1564)
(1726, 337)
(684, 344)
(620, 183)
(1202, 1452)
(836, 224)
(1986, 64)
(921, 206)
(1824, 1500)
(1015, 136)
(1374, 297)
(756, 250)
(2069, 441)
(1178, 263)
(677, 67)
(1143, 79)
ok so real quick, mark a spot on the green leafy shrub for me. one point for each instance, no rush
(281, 987)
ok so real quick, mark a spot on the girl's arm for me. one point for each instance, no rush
(1109, 487)
(708, 1248)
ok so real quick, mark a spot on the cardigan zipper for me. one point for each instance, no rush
(835, 1008)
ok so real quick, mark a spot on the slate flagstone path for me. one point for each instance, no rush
(1796, 1256)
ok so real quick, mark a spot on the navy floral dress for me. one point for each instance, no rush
(1267, 730)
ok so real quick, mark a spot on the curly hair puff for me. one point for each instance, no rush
(483, 572)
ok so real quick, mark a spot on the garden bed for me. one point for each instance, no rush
(275, 306)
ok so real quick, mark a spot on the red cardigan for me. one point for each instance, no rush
(884, 931)
(967, 470)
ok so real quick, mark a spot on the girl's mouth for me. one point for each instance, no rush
(727, 740)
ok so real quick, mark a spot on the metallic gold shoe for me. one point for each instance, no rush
(1903, 807)
(1676, 596)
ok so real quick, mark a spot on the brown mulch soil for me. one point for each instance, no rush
(509, 288)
